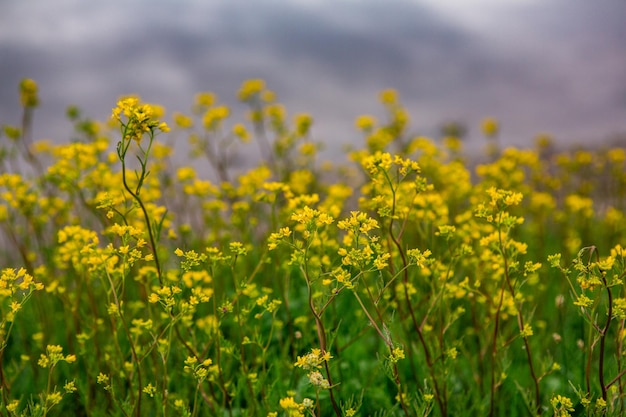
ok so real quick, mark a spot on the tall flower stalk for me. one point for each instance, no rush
(137, 120)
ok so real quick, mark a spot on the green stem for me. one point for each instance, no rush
(520, 323)
(405, 279)
(124, 145)
(321, 335)
(132, 346)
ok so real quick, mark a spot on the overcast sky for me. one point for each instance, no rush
(556, 66)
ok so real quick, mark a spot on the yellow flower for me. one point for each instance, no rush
(182, 121)
(490, 127)
(452, 353)
(205, 99)
(12, 406)
(583, 301)
(527, 331)
(53, 398)
(241, 132)
(138, 119)
(453, 143)
(303, 123)
(388, 96)
(70, 387)
(28, 93)
(561, 405)
(365, 123)
(250, 88)
(396, 354)
(292, 407)
(308, 149)
(163, 127)
(214, 116)
(150, 390)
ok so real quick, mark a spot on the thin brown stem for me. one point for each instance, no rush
(321, 335)
(603, 335)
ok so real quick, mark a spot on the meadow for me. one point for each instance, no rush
(404, 281)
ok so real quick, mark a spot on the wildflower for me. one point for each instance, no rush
(308, 149)
(446, 231)
(292, 408)
(182, 121)
(53, 398)
(318, 380)
(276, 237)
(583, 301)
(579, 205)
(396, 354)
(54, 355)
(490, 127)
(250, 88)
(453, 143)
(205, 99)
(305, 215)
(28, 93)
(12, 406)
(562, 406)
(238, 248)
(303, 123)
(452, 353)
(376, 162)
(313, 359)
(382, 260)
(365, 123)
(150, 390)
(102, 379)
(12, 132)
(241, 132)
(527, 331)
(70, 387)
(555, 260)
(358, 221)
(418, 257)
(268, 96)
(214, 116)
(137, 119)
(388, 96)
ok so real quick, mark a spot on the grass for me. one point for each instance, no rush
(402, 282)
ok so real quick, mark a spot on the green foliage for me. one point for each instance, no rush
(396, 284)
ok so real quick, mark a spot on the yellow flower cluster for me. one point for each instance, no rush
(54, 355)
(293, 408)
(406, 245)
(137, 119)
(562, 406)
(313, 360)
(28, 93)
(200, 370)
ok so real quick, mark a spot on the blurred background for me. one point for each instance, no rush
(555, 66)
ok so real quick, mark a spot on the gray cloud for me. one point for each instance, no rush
(554, 66)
